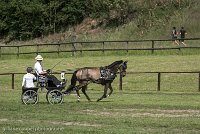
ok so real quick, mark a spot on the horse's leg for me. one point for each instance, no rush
(111, 89)
(84, 88)
(78, 87)
(78, 96)
(105, 92)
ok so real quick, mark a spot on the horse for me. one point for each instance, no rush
(99, 75)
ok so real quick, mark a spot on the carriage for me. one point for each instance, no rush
(99, 75)
(54, 93)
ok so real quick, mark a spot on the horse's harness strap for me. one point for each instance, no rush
(107, 74)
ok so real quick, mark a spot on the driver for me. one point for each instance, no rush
(38, 66)
(40, 71)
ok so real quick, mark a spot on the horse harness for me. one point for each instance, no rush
(107, 74)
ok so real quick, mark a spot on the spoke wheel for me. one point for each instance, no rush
(30, 97)
(54, 96)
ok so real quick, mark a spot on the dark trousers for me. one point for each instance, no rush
(53, 79)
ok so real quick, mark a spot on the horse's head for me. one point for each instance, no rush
(118, 65)
(122, 68)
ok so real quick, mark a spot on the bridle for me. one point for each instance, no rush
(124, 67)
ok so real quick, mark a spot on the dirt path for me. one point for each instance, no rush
(145, 113)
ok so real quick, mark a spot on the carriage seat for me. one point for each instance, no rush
(50, 81)
(41, 78)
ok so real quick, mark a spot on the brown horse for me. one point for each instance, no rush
(100, 75)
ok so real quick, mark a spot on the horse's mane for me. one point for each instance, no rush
(113, 64)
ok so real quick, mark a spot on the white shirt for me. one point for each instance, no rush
(38, 67)
(28, 80)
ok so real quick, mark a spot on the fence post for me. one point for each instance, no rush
(81, 49)
(58, 49)
(158, 88)
(17, 51)
(13, 81)
(103, 47)
(120, 83)
(199, 82)
(73, 40)
(37, 49)
(73, 49)
(152, 45)
(127, 47)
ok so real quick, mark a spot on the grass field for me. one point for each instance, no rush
(138, 112)
(139, 108)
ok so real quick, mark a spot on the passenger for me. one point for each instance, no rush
(28, 79)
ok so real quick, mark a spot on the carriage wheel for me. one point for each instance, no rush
(30, 97)
(54, 96)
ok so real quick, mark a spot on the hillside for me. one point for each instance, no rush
(127, 19)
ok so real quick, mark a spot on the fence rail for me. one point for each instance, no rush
(74, 49)
(121, 79)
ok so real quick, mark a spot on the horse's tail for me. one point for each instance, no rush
(74, 78)
(73, 82)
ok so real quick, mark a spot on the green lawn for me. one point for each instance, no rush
(136, 112)
(139, 108)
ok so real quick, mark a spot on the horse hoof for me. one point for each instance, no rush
(78, 101)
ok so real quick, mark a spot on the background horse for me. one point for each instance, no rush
(100, 75)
